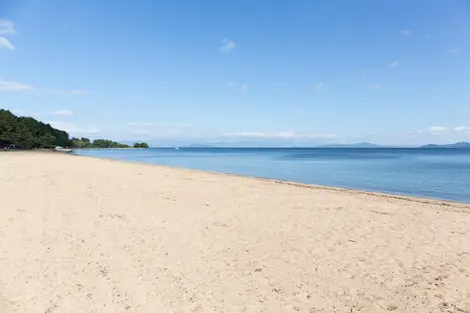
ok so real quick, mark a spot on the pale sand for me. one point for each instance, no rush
(81, 234)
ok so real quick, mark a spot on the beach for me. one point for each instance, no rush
(82, 234)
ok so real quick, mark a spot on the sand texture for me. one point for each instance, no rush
(81, 234)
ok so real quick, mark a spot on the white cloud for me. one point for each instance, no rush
(18, 112)
(428, 36)
(375, 86)
(462, 129)
(227, 45)
(12, 86)
(319, 86)
(281, 135)
(434, 130)
(394, 64)
(62, 112)
(6, 28)
(72, 128)
(454, 51)
(5, 43)
(405, 32)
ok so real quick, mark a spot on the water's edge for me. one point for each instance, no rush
(438, 202)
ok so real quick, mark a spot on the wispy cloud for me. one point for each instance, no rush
(393, 64)
(281, 135)
(18, 112)
(144, 124)
(428, 36)
(434, 130)
(375, 86)
(6, 29)
(152, 130)
(66, 92)
(39, 114)
(238, 86)
(74, 129)
(462, 129)
(319, 86)
(142, 132)
(5, 43)
(62, 113)
(227, 45)
(159, 125)
(12, 86)
(454, 51)
(405, 32)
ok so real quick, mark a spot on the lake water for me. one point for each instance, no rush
(431, 173)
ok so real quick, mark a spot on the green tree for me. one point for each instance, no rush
(142, 145)
(28, 133)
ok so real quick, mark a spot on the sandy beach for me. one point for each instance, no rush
(80, 234)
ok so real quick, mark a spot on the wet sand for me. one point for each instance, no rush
(81, 234)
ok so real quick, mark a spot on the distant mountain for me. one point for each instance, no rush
(353, 145)
(458, 145)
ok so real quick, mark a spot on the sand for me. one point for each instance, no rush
(81, 234)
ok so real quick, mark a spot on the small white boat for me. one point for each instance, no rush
(65, 150)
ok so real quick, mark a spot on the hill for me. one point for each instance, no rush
(353, 145)
(29, 133)
(457, 145)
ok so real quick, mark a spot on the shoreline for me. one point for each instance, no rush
(304, 185)
(99, 235)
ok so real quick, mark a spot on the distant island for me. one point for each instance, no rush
(28, 133)
(457, 145)
(353, 145)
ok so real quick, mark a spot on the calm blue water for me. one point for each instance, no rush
(430, 173)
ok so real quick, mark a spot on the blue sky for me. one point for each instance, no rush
(293, 72)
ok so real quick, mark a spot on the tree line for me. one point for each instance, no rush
(84, 143)
(29, 133)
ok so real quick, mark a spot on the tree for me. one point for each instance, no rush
(142, 145)
(104, 143)
(28, 133)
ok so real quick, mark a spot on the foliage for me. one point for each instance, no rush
(103, 143)
(143, 145)
(28, 133)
